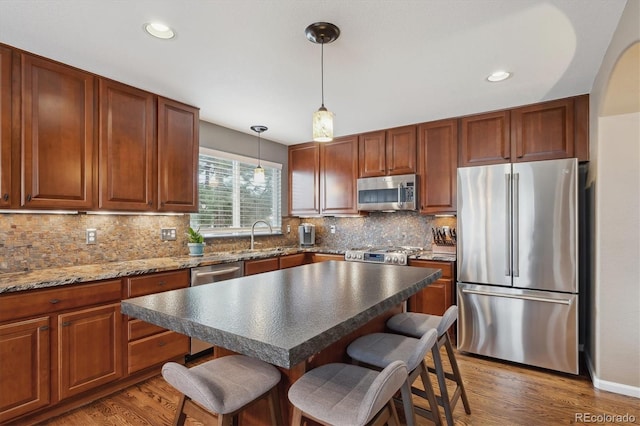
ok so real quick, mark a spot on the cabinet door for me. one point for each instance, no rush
(372, 154)
(543, 131)
(58, 135)
(304, 175)
(24, 370)
(401, 150)
(291, 260)
(485, 139)
(258, 266)
(436, 298)
(126, 147)
(178, 145)
(5, 126)
(338, 176)
(89, 349)
(438, 154)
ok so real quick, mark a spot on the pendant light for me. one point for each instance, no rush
(322, 33)
(258, 172)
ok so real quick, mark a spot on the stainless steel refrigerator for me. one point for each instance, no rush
(518, 262)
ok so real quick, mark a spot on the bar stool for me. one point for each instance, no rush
(380, 349)
(347, 395)
(415, 325)
(222, 388)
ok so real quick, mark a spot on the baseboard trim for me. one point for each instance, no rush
(608, 386)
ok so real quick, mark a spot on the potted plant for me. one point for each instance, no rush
(195, 241)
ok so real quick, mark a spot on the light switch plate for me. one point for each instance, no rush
(168, 234)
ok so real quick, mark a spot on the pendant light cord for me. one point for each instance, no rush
(259, 149)
(322, 69)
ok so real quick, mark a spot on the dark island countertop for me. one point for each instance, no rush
(283, 317)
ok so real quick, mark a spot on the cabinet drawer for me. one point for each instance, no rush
(252, 267)
(156, 349)
(36, 302)
(447, 267)
(323, 257)
(137, 329)
(155, 283)
(293, 260)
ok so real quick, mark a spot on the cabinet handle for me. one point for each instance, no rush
(161, 283)
(66, 324)
(54, 301)
(44, 328)
(150, 203)
(28, 197)
(161, 344)
(5, 197)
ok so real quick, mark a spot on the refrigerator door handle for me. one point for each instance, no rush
(516, 224)
(507, 206)
(517, 296)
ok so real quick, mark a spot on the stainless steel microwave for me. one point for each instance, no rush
(387, 193)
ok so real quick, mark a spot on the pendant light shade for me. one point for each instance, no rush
(322, 33)
(258, 172)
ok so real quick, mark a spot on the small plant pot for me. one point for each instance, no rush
(196, 249)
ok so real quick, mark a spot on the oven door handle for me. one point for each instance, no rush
(218, 272)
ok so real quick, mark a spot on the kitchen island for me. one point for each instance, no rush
(295, 318)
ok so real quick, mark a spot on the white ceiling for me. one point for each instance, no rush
(246, 62)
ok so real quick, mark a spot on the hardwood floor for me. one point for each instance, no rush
(499, 394)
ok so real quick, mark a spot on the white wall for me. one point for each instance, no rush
(613, 348)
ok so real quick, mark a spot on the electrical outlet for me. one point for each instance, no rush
(91, 236)
(332, 229)
(288, 229)
(168, 234)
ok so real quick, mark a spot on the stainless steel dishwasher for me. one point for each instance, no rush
(209, 275)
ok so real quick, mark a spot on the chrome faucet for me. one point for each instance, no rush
(254, 226)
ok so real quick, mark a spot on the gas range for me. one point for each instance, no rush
(388, 255)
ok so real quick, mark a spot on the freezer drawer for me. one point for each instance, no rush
(531, 327)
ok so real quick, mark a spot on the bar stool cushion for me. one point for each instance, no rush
(416, 324)
(345, 394)
(223, 385)
(381, 349)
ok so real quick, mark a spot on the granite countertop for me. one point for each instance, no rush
(52, 277)
(285, 316)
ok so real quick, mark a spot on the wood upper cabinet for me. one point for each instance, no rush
(57, 135)
(387, 152)
(544, 131)
(304, 177)
(89, 347)
(437, 166)
(485, 139)
(126, 147)
(338, 176)
(25, 351)
(178, 148)
(5, 126)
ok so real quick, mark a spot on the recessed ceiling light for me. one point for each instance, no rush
(159, 30)
(499, 76)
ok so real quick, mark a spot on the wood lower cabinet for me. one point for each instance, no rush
(178, 148)
(437, 166)
(338, 176)
(6, 113)
(304, 179)
(291, 260)
(58, 135)
(147, 344)
(258, 266)
(126, 147)
(438, 296)
(323, 257)
(25, 351)
(89, 349)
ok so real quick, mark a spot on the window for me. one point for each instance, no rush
(230, 202)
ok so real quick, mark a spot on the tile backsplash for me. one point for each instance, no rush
(37, 241)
